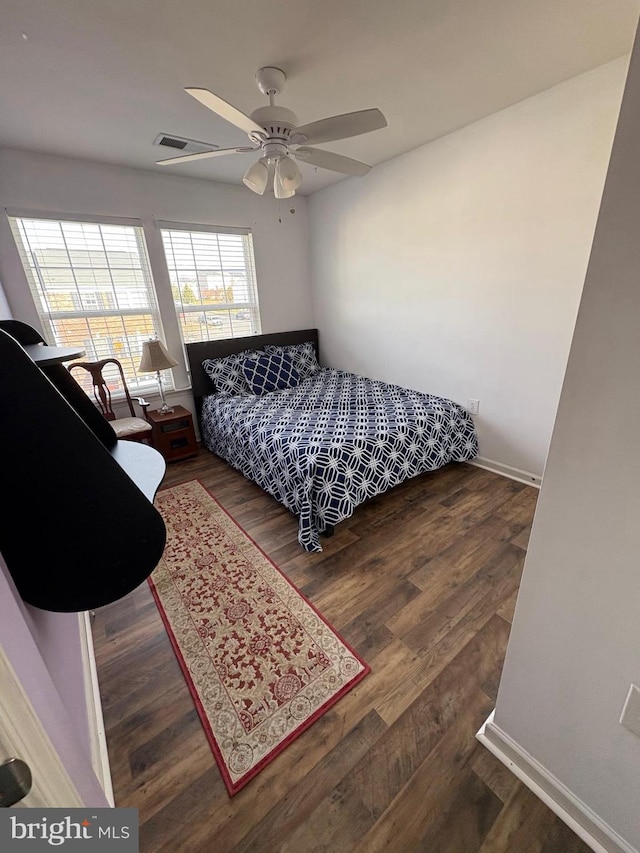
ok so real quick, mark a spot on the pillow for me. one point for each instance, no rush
(270, 373)
(226, 373)
(304, 356)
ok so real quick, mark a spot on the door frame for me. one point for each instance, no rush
(23, 736)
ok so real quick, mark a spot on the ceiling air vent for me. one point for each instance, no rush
(188, 146)
(172, 143)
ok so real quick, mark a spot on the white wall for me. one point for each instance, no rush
(38, 182)
(575, 643)
(457, 268)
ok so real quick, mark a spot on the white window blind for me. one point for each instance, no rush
(92, 287)
(213, 281)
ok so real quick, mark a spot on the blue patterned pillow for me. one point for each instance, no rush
(226, 373)
(270, 373)
(304, 356)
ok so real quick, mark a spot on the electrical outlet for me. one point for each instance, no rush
(474, 406)
(630, 717)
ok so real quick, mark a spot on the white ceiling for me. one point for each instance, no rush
(99, 79)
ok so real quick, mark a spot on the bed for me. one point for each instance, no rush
(319, 440)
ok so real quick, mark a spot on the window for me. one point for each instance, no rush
(213, 280)
(92, 287)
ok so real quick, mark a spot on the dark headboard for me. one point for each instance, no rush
(198, 352)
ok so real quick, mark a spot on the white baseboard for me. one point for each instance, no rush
(99, 753)
(507, 471)
(560, 799)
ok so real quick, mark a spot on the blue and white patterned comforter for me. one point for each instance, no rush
(335, 440)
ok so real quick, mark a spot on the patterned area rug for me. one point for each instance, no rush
(261, 663)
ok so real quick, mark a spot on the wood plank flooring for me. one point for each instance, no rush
(422, 581)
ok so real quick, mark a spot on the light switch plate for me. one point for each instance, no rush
(630, 717)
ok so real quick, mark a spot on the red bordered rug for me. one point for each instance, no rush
(261, 663)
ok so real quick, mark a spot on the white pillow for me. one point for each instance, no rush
(303, 355)
(227, 373)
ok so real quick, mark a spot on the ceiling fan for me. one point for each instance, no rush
(274, 132)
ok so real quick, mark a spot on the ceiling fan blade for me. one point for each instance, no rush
(225, 110)
(329, 160)
(203, 155)
(340, 127)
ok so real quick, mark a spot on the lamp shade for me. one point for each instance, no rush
(257, 176)
(155, 357)
(287, 179)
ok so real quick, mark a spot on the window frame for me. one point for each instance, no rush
(166, 312)
(212, 309)
(138, 383)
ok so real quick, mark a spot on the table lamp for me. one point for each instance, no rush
(154, 359)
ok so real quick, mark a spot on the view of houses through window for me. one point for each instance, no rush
(93, 287)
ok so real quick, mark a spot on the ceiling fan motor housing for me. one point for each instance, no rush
(276, 121)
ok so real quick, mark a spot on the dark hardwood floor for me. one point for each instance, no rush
(422, 581)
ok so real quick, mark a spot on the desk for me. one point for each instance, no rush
(97, 534)
(44, 355)
(142, 463)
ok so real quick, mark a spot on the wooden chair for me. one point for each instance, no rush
(132, 428)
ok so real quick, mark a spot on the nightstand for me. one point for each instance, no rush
(173, 434)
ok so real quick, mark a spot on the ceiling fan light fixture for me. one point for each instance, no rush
(257, 176)
(288, 177)
(280, 192)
